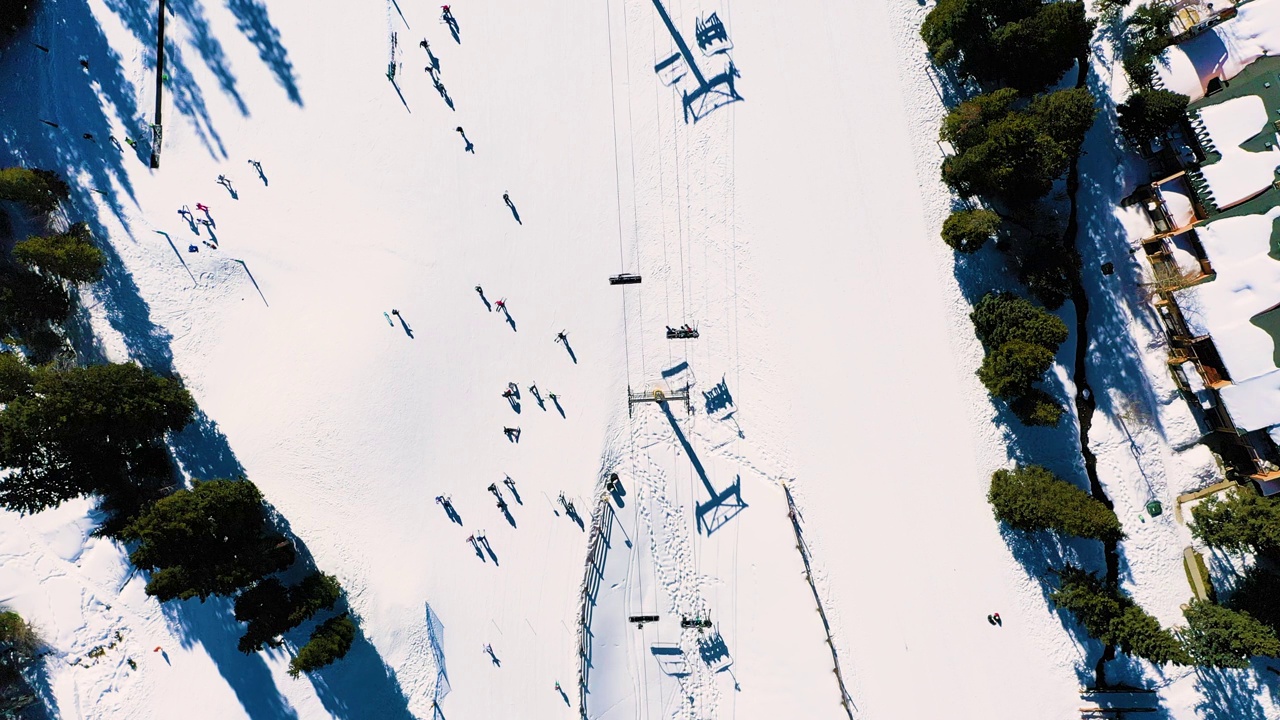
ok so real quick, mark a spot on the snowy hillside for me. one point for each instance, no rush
(339, 323)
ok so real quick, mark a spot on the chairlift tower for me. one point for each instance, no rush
(658, 396)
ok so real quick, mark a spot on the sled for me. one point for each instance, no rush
(682, 333)
(624, 279)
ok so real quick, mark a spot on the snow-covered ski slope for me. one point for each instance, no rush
(796, 228)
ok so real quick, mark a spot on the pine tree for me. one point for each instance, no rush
(40, 190)
(966, 231)
(210, 540)
(1149, 113)
(1113, 618)
(70, 256)
(1243, 522)
(271, 609)
(999, 318)
(1037, 408)
(1218, 637)
(1030, 498)
(1010, 370)
(84, 431)
(329, 643)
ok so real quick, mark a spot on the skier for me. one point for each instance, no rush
(558, 687)
(506, 198)
(533, 389)
(202, 207)
(501, 305)
(425, 45)
(84, 63)
(509, 482)
(553, 396)
(88, 136)
(508, 393)
(395, 312)
(996, 617)
(131, 142)
(562, 336)
(440, 499)
(460, 131)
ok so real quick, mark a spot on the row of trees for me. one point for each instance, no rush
(1011, 145)
(1020, 340)
(100, 431)
(217, 539)
(1030, 498)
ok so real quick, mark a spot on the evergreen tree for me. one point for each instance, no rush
(1243, 522)
(30, 306)
(271, 609)
(210, 540)
(999, 318)
(14, 15)
(1113, 618)
(1037, 408)
(80, 431)
(1009, 370)
(1024, 44)
(1014, 155)
(39, 190)
(1222, 638)
(967, 231)
(1138, 634)
(1031, 498)
(1258, 594)
(1147, 114)
(70, 256)
(265, 607)
(16, 377)
(329, 643)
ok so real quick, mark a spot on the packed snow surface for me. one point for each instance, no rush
(1222, 51)
(796, 228)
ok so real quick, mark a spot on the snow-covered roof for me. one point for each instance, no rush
(1247, 285)
(1222, 51)
(1240, 174)
(1178, 201)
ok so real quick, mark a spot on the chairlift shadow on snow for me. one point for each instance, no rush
(723, 505)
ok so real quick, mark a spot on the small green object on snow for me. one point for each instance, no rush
(1154, 508)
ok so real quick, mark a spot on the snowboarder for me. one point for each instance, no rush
(115, 142)
(89, 137)
(388, 317)
(84, 63)
(996, 617)
(506, 198)
(479, 289)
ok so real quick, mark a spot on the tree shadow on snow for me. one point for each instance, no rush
(361, 685)
(1231, 694)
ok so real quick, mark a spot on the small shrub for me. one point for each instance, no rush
(966, 231)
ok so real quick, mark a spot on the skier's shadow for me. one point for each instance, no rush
(489, 549)
(452, 513)
(506, 512)
(556, 401)
(514, 212)
(572, 356)
(515, 404)
(407, 330)
(513, 434)
(516, 494)
(487, 305)
(510, 320)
